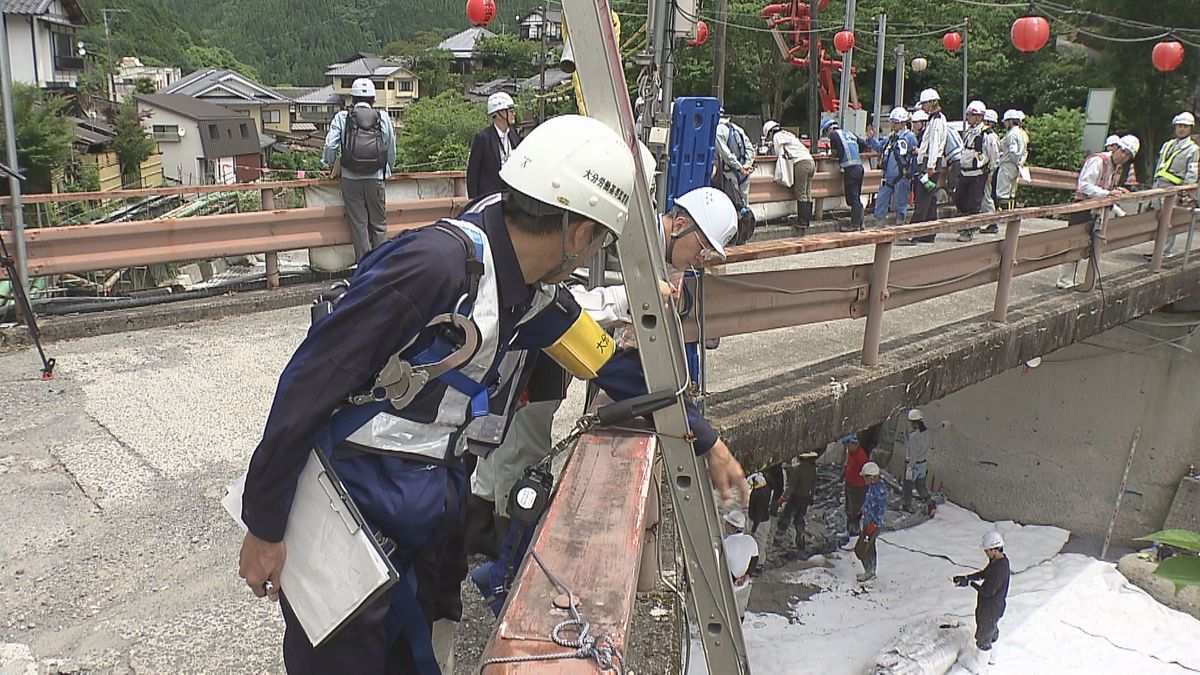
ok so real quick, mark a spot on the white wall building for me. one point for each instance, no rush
(42, 44)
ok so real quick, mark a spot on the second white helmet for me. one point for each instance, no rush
(714, 214)
(499, 101)
(920, 116)
(1185, 117)
(577, 164)
(898, 115)
(929, 95)
(992, 540)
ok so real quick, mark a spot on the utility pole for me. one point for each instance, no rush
(879, 47)
(722, 10)
(966, 43)
(901, 65)
(10, 146)
(545, 48)
(112, 83)
(814, 76)
(847, 68)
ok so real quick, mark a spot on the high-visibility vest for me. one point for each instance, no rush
(1165, 160)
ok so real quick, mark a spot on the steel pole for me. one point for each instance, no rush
(900, 69)
(966, 43)
(876, 303)
(721, 7)
(545, 48)
(847, 68)
(10, 147)
(879, 47)
(814, 76)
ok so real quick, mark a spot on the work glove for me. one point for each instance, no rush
(870, 529)
(961, 581)
(928, 184)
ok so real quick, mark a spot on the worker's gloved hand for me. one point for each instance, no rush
(870, 529)
(961, 581)
(728, 478)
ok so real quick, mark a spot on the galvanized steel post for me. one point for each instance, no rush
(271, 258)
(1008, 261)
(878, 293)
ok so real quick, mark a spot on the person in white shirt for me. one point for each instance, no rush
(794, 168)
(1098, 178)
(930, 163)
(1014, 150)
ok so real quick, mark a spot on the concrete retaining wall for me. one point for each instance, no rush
(1049, 445)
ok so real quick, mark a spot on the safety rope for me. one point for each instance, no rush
(602, 648)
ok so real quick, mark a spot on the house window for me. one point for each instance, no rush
(391, 85)
(270, 116)
(406, 85)
(244, 129)
(347, 82)
(213, 132)
(165, 132)
(62, 45)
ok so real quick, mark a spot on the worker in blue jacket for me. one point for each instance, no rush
(897, 154)
(465, 291)
(847, 148)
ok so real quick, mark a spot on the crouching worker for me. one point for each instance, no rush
(445, 302)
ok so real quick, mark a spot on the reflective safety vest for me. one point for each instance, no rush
(1108, 172)
(392, 432)
(849, 155)
(1166, 159)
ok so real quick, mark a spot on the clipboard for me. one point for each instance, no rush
(335, 566)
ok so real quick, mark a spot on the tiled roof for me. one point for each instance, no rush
(464, 42)
(189, 107)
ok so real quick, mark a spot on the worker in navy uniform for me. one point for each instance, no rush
(847, 148)
(569, 193)
(568, 190)
(492, 147)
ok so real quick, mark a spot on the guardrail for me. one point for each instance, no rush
(104, 246)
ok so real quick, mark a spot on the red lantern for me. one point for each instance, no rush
(481, 12)
(843, 41)
(951, 41)
(1030, 33)
(1167, 55)
(701, 34)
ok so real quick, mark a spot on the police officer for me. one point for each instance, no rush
(1177, 162)
(846, 147)
(896, 155)
(494, 271)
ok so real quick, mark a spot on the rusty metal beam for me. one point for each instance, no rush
(82, 248)
(591, 538)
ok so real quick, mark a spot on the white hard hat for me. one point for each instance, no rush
(920, 116)
(362, 88)
(990, 115)
(976, 108)
(714, 214)
(1185, 118)
(915, 415)
(740, 549)
(1112, 140)
(499, 101)
(1130, 144)
(992, 540)
(756, 479)
(736, 518)
(929, 95)
(869, 469)
(899, 115)
(1012, 114)
(770, 126)
(578, 164)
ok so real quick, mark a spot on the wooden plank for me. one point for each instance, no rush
(591, 538)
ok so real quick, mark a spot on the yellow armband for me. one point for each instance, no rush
(583, 349)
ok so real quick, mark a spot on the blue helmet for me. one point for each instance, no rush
(827, 124)
(849, 439)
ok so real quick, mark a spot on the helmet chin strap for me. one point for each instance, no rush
(675, 237)
(568, 259)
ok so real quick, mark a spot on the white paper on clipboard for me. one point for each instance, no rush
(334, 567)
(1024, 172)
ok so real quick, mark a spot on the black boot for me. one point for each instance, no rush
(804, 214)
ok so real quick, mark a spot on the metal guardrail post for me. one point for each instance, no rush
(1008, 261)
(1093, 260)
(875, 302)
(271, 257)
(1164, 226)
